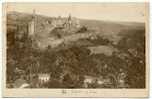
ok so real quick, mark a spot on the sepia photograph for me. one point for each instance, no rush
(75, 46)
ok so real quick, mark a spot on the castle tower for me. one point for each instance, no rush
(69, 21)
(31, 25)
(69, 18)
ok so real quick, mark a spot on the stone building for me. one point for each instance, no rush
(68, 22)
(72, 22)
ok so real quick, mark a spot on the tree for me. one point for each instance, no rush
(133, 44)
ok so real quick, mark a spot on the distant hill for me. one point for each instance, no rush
(103, 26)
(111, 27)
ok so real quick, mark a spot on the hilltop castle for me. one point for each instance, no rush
(27, 27)
(68, 22)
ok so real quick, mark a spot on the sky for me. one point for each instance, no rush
(131, 12)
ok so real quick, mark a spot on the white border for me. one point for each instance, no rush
(75, 0)
(67, 1)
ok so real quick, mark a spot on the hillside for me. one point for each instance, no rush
(108, 30)
(109, 52)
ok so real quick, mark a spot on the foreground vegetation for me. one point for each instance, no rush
(68, 66)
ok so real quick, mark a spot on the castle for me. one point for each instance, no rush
(68, 22)
(36, 24)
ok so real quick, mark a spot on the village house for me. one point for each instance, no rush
(43, 77)
(90, 80)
